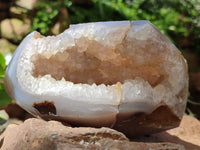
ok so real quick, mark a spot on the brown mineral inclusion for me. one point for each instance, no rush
(45, 107)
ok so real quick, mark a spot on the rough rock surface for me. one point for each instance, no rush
(187, 134)
(36, 134)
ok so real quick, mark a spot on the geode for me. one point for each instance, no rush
(120, 74)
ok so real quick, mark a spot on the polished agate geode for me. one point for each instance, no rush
(120, 74)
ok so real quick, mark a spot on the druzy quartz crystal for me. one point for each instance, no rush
(120, 74)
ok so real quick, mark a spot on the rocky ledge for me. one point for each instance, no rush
(37, 134)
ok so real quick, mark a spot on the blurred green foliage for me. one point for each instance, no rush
(47, 13)
(175, 18)
(4, 98)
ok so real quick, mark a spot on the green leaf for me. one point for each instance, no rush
(3, 117)
(190, 112)
(1, 86)
(2, 72)
(193, 103)
(2, 65)
(4, 98)
(2, 61)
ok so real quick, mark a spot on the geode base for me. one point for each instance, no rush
(140, 123)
